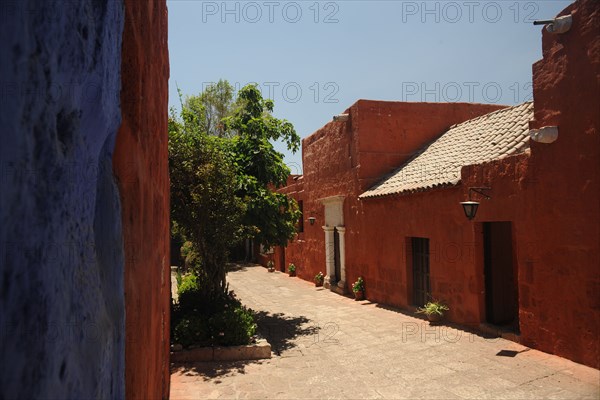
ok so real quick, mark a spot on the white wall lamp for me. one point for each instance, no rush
(557, 25)
(311, 220)
(547, 134)
(470, 207)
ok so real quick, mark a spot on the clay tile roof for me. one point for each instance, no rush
(498, 134)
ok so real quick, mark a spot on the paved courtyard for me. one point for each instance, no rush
(329, 346)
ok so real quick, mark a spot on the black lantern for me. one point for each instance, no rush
(470, 207)
(311, 220)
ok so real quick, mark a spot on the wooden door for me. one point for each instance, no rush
(501, 293)
(420, 271)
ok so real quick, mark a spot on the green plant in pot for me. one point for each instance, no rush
(358, 288)
(434, 310)
(319, 278)
(292, 270)
(271, 266)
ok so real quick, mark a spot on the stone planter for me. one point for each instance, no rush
(259, 350)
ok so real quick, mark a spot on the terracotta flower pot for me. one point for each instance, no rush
(292, 273)
(319, 283)
(360, 295)
(434, 317)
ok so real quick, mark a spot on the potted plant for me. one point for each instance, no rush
(319, 278)
(434, 310)
(292, 270)
(271, 266)
(358, 288)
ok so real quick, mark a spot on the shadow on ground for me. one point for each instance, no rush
(281, 331)
(209, 370)
(240, 266)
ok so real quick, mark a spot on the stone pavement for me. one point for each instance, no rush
(329, 346)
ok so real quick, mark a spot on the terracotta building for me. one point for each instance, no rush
(383, 186)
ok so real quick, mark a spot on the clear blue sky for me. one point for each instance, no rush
(315, 59)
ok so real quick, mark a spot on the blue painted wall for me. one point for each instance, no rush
(62, 328)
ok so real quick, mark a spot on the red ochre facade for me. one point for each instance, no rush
(140, 164)
(550, 194)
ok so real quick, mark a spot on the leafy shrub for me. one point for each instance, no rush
(433, 307)
(234, 326)
(189, 282)
(202, 320)
(190, 296)
(192, 329)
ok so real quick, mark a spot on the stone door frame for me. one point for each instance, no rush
(334, 221)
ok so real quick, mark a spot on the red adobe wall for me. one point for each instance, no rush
(140, 164)
(347, 157)
(382, 252)
(559, 275)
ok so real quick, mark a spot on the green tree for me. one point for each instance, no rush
(204, 205)
(270, 217)
(207, 110)
(217, 100)
(222, 188)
